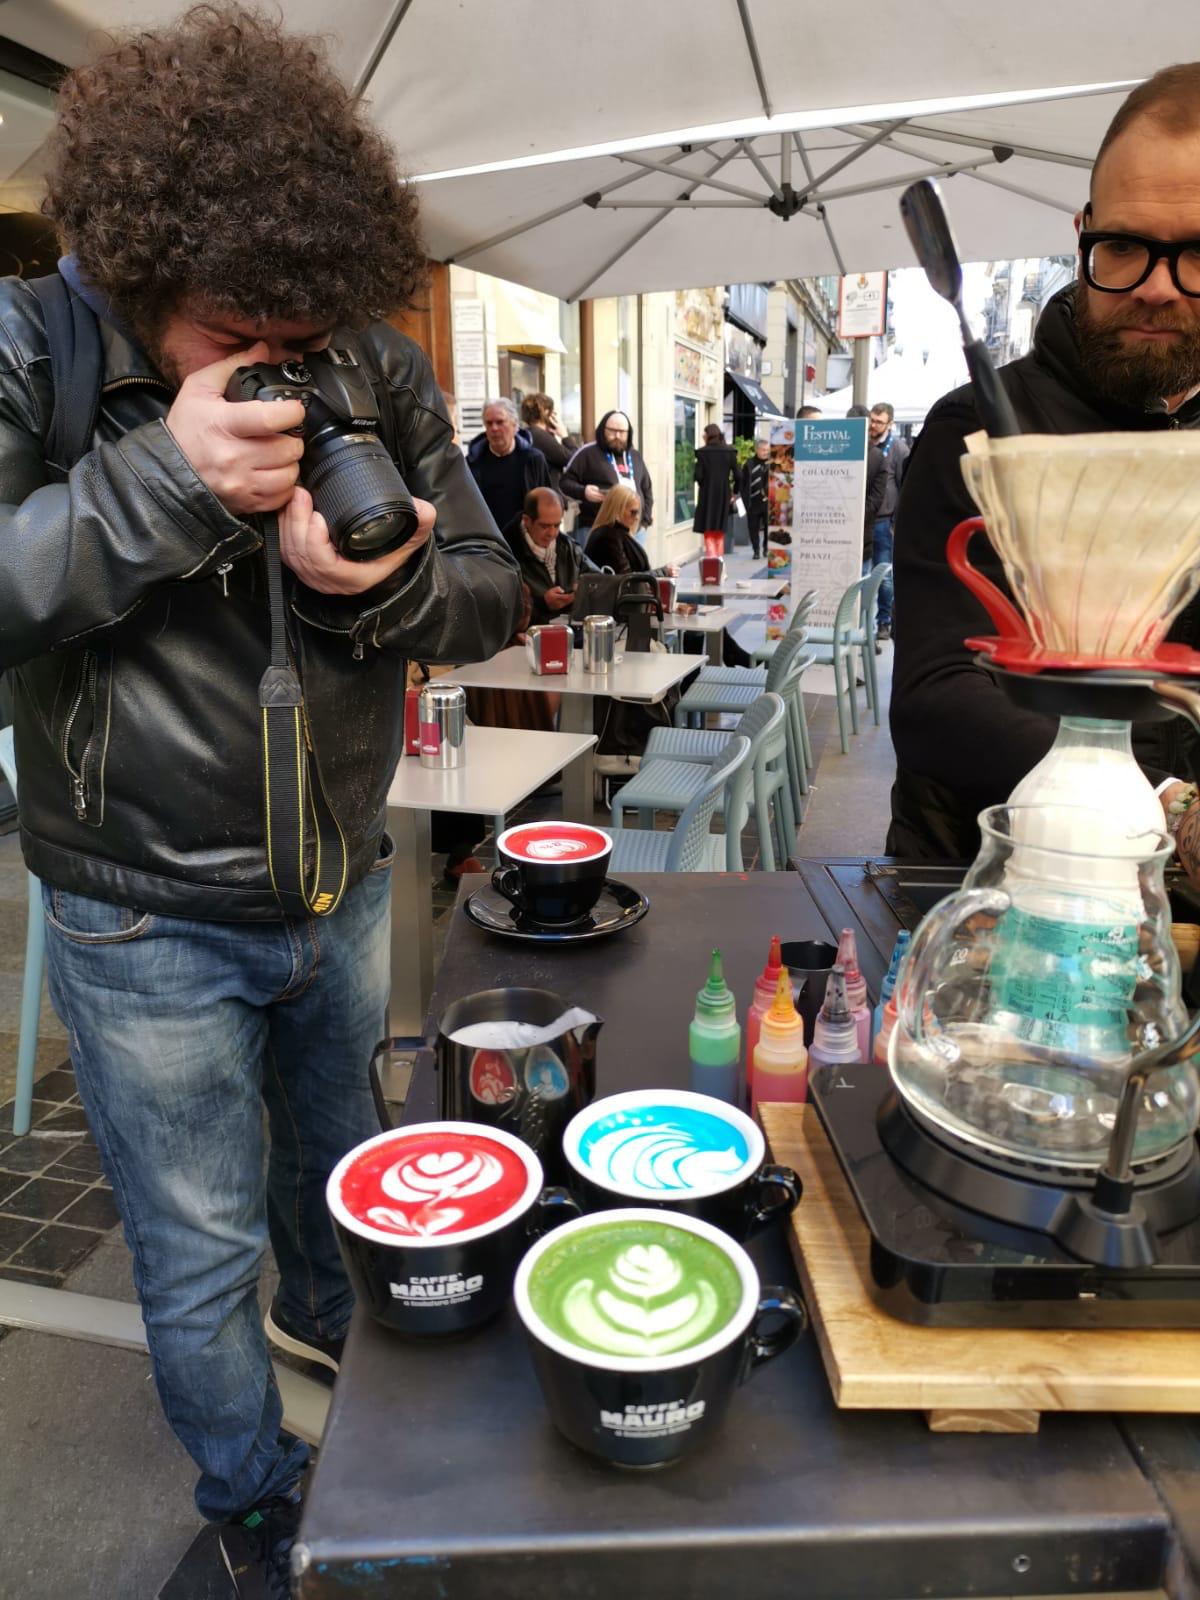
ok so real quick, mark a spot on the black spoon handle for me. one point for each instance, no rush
(992, 403)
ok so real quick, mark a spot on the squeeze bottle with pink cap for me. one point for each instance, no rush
(780, 1059)
(765, 986)
(856, 992)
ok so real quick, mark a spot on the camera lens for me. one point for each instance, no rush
(357, 489)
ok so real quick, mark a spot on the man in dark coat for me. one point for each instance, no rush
(1119, 349)
(594, 469)
(550, 560)
(895, 449)
(755, 492)
(877, 481)
(505, 464)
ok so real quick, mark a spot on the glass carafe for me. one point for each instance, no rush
(1027, 995)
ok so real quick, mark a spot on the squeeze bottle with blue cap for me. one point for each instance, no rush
(835, 1035)
(889, 984)
(780, 1059)
(715, 1039)
(765, 986)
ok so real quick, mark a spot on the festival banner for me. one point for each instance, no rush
(818, 499)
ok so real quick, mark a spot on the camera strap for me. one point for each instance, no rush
(298, 812)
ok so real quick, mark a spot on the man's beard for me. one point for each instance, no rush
(1140, 373)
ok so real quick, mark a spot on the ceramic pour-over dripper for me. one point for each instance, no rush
(1099, 534)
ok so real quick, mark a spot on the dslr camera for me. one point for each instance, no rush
(345, 467)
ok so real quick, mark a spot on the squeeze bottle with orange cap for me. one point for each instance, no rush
(856, 992)
(780, 1059)
(764, 992)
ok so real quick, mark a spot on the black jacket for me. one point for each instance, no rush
(611, 545)
(896, 457)
(751, 478)
(137, 723)
(591, 464)
(557, 451)
(534, 474)
(716, 474)
(569, 562)
(877, 482)
(960, 742)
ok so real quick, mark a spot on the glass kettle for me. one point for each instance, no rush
(1031, 997)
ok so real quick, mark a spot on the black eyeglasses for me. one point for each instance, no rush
(1117, 262)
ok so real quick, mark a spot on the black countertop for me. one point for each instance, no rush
(440, 1474)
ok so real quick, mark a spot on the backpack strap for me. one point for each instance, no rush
(77, 369)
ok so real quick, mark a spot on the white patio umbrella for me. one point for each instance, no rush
(751, 101)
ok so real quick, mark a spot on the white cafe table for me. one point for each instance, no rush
(711, 623)
(643, 677)
(503, 766)
(732, 588)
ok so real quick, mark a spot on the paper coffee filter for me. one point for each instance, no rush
(503, 1035)
(1098, 534)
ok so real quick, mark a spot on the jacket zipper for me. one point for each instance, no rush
(125, 383)
(323, 627)
(87, 684)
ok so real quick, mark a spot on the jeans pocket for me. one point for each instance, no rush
(86, 921)
(387, 854)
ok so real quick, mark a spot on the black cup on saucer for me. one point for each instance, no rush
(552, 872)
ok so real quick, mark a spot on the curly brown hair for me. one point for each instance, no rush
(222, 160)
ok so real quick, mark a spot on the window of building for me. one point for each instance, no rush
(685, 458)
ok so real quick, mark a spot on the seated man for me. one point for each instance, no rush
(550, 561)
(1117, 349)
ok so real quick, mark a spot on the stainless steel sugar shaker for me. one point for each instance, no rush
(442, 714)
(599, 644)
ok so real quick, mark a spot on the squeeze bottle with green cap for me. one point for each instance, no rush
(780, 1059)
(835, 1035)
(856, 992)
(715, 1039)
(764, 992)
(889, 987)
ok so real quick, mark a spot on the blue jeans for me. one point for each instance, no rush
(180, 1032)
(881, 550)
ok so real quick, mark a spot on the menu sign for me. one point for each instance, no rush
(818, 497)
(862, 305)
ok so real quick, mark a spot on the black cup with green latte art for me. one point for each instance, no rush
(642, 1326)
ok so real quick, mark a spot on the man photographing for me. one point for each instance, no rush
(209, 230)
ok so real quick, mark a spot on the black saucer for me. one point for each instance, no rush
(619, 906)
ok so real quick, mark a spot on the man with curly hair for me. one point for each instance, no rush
(223, 200)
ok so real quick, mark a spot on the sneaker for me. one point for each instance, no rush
(285, 1335)
(257, 1550)
(884, 631)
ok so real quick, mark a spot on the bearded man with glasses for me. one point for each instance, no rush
(1118, 349)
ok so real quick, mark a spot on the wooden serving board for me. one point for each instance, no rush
(965, 1380)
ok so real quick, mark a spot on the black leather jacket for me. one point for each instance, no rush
(133, 610)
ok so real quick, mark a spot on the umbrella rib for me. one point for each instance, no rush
(902, 178)
(755, 60)
(678, 205)
(986, 177)
(824, 215)
(696, 178)
(877, 137)
(399, 11)
(639, 236)
(558, 211)
(1030, 152)
(747, 148)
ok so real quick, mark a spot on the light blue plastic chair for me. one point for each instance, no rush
(798, 619)
(35, 967)
(657, 787)
(738, 688)
(689, 847)
(861, 638)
